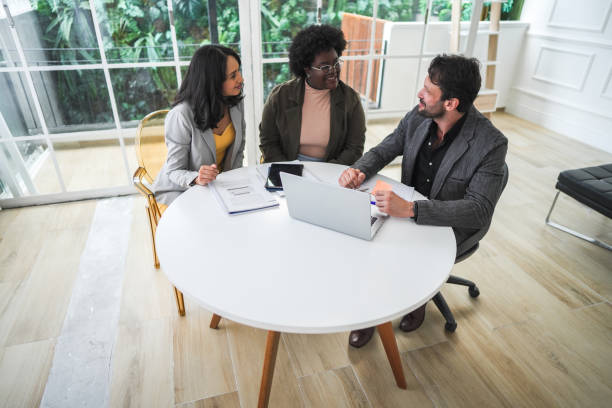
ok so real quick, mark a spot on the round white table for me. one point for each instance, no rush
(268, 270)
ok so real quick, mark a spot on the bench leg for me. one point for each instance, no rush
(572, 232)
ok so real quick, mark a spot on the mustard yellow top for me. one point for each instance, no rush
(223, 141)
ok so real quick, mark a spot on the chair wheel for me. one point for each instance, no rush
(474, 292)
(450, 327)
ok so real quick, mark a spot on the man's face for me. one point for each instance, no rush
(431, 104)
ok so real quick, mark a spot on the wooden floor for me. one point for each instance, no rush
(539, 335)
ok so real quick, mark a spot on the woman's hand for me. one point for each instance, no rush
(206, 174)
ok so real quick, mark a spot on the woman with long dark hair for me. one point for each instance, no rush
(205, 129)
(315, 116)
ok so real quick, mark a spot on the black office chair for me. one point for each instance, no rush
(438, 299)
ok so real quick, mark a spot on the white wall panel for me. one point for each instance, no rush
(592, 128)
(592, 15)
(564, 67)
(607, 88)
(563, 78)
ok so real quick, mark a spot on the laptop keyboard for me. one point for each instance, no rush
(373, 220)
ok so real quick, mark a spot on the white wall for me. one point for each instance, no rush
(563, 79)
(399, 85)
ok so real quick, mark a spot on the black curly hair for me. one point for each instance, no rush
(311, 41)
(458, 77)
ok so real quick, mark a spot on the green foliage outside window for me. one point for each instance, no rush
(442, 9)
(281, 20)
(139, 30)
(133, 31)
(192, 28)
(67, 29)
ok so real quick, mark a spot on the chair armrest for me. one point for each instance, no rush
(137, 180)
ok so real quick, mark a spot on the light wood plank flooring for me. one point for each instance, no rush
(539, 335)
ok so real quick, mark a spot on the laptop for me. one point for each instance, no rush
(334, 207)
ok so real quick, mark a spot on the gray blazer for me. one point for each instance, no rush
(189, 148)
(468, 182)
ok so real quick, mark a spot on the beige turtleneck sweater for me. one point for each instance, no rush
(314, 135)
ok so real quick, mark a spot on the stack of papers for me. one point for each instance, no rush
(238, 195)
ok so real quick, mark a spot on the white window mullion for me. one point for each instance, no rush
(109, 85)
(417, 82)
(365, 57)
(33, 93)
(370, 57)
(14, 159)
(474, 24)
(76, 67)
(175, 50)
(250, 40)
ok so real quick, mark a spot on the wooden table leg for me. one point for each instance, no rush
(268, 368)
(180, 303)
(214, 322)
(387, 336)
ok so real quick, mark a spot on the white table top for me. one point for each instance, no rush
(268, 270)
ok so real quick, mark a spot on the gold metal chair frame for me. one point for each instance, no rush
(153, 212)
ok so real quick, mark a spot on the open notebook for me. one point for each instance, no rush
(240, 193)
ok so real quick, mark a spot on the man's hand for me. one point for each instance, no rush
(206, 174)
(351, 178)
(392, 204)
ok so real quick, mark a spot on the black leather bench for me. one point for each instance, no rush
(591, 186)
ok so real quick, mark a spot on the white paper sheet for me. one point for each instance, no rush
(241, 194)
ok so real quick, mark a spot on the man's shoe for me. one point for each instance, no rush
(359, 338)
(413, 320)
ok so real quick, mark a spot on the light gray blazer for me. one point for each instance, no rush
(468, 182)
(189, 148)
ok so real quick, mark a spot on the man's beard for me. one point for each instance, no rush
(432, 113)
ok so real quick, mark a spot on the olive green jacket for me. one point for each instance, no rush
(281, 124)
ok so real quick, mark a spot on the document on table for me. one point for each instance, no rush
(238, 195)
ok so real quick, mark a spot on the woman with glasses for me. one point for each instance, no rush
(315, 116)
(205, 129)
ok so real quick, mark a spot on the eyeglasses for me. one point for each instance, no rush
(326, 69)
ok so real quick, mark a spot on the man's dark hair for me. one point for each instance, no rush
(202, 86)
(311, 41)
(458, 77)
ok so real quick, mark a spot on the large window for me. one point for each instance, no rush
(95, 68)
(77, 76)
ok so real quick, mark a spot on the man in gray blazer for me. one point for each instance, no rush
(452, 155)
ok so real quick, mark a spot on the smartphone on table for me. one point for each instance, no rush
(273, 182)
